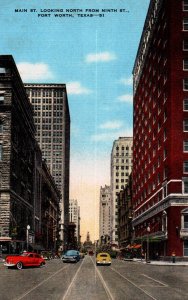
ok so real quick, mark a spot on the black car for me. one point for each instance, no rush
(71, 256)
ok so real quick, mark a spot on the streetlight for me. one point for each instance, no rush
(147, 254)
(28, 227)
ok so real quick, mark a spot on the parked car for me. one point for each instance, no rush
(103, 258)
(47, 255)
(71, 256)
(26, 259)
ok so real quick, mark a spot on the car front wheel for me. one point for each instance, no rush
(19, 265)
(42, 264)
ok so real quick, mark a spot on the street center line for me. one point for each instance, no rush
(155, 280)
(145, 292)
(70, 285)
(39, 284)
(110, 296)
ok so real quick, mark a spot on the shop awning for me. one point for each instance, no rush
(137, 246)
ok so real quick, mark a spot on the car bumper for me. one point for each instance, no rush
(69, 260)
(9, 264)
(103, 263)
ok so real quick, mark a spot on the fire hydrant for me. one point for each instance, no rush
(173, 257)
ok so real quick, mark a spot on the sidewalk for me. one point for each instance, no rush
(161, 262)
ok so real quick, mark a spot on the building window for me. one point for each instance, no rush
(185, 125)
(185, 186)
(1, 151)
(185, 24)
(185, 5)
(185, 146)
(185, 166)
(185, 84)
(185, 64)
(165, 191)
(185, 244)
(2, 70)
(185, 221)
(185, 104)
(185, 44)
(2, 98)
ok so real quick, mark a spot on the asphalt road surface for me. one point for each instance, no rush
(84, 281)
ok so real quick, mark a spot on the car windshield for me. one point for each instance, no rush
(24, 254)
(103, 255)
(71, 252)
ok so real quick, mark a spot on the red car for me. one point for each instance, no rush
(26, 259)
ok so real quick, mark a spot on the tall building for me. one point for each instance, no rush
(160, 166)
(74, 216)
(29, 197)
(17, 152)
(105, 212)
(52, 120)
(125, 215)
(121, 167)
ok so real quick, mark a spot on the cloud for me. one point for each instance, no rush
(127, 81)
(127, 98)
(76, 88)
(111, 136)
(100, 57)
(112, 125)
(34, 71)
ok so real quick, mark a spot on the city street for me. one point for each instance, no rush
(122, 280)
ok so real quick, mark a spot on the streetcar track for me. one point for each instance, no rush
(106, 288)
(41, 283)
(131, 282)
(70, 285)
(161, 283)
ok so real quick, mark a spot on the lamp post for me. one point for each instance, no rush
(28, 227)
(147, 254)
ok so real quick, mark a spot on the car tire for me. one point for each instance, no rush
(42, 264)
(19, 265)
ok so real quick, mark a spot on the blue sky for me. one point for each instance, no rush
(94, 56)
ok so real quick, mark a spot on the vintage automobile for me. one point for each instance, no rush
(71, 256)
(26, 259)
(103, 258)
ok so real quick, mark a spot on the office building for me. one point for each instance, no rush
(74, 217)
(52, 121)
(160, 165)
(121, 167)
(105, 213)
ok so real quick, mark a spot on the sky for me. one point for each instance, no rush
(94, 56)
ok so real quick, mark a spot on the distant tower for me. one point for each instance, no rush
(74, 216)
(105, 211)
(88, 237)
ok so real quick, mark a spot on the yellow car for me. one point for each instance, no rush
(103, 259)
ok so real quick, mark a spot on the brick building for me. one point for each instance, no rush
(160, 165)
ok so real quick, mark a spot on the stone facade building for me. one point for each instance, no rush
(105, 213)
(121, 167)
(52, 120)
(125, 230)
(22, 172)
(17, 154)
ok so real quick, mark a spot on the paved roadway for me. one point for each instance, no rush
(84, 281)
